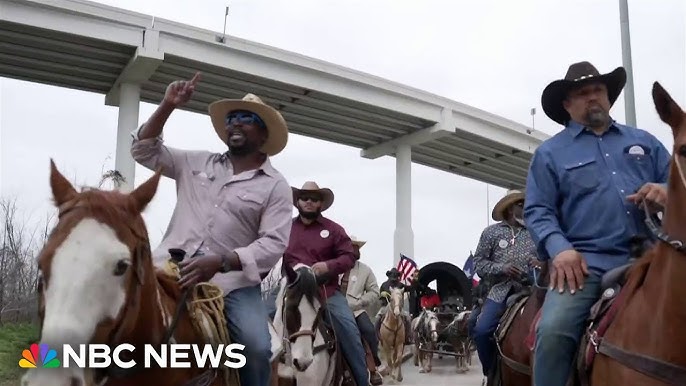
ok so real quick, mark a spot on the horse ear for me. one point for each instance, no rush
(291, 275)
(143, 194)
(62, 189)
(668, 110)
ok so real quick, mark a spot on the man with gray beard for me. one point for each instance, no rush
(504, 255)
(585, 190)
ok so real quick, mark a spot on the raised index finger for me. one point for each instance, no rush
(195, 78)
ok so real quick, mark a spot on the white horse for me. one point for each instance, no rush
(298, 325)
(425, 329)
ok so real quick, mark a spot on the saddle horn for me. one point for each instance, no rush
(177, 255)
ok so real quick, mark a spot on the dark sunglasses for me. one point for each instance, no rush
(244, 118)
(310, 198)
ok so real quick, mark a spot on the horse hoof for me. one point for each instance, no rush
(422, 371)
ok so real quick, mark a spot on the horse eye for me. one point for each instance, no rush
(121, 267)
(682, 150)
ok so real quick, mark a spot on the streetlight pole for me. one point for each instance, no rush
(629, 103)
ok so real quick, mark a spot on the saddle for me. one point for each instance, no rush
(205, 305)
(601, 316)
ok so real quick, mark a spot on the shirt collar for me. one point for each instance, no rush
(575, 128)
(316, 220)
(266, 166)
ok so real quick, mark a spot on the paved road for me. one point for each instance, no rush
(443, 373)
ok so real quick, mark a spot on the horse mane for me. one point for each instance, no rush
(306, 286)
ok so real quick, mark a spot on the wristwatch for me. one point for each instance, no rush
(226, 267)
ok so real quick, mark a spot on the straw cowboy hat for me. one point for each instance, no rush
(276, 125)
(577, 75)
(312, 187)
(357, 242)
(501, 206)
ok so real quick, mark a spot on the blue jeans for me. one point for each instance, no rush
(348, 337)
(483, 332)
(559, 331)
(471, 322)
(246, 316)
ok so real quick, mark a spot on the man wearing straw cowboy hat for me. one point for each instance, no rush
(504, 254)
(361, 290)
(324, 245)
(583, 188)
(233, 210)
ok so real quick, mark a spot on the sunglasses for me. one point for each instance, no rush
(244, 118)
(310, 198)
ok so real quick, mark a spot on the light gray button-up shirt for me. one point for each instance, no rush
(218, 212)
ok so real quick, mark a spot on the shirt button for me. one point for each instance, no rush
(622, 190)
(627, 212)
(614, 172)
(607, 155)
(215, 205)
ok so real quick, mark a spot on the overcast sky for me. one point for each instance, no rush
(494, 55)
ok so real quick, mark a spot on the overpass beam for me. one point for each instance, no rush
(444, 127)
(403, 237)
(129, 103)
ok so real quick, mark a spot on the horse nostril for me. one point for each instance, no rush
(296, 364)
(76, 382)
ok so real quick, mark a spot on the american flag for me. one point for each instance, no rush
(406, 267)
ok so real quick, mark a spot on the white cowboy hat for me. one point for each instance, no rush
(276, 125)
(510, 198)
(357, 242)
(310, 186)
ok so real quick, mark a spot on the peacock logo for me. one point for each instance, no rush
(31, 357)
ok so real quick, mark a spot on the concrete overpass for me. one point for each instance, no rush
(131, 57)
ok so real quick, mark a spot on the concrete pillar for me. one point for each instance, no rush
(129, 103)
(403, 238)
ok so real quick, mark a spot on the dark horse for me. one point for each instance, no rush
(635, 332)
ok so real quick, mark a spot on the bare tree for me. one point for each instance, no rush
(19, 245)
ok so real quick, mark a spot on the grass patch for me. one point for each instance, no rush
(14, 338)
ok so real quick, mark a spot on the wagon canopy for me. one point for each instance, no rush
(449, 279)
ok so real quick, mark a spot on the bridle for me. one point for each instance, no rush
(312, 332)
(133, 307)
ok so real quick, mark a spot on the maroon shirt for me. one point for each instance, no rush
(321, 241)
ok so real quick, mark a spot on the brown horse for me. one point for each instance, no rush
(513, 366)
(98, 285)
(645, 344)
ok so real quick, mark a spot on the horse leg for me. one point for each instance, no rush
(400, 350)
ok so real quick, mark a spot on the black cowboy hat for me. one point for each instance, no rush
(393, 272)
(577, 75)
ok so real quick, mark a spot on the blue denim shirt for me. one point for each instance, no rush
(577, 187)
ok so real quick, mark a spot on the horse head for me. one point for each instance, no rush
(396, 300)
(431, 323)
(302, 313)
(675, 211)
(93, 269)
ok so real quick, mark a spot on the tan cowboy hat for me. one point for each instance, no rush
(578, 74)
(310, 186)
(276, 125)
(510, 198)
(357, 242)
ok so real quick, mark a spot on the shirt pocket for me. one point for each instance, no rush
(245, 206)
(640, 167)
(583, 175)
